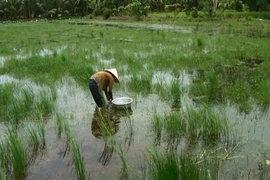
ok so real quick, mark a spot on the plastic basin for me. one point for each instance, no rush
(122, 102)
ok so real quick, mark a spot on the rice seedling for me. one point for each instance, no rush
(163, 166)
(161, 89)
(172, 165)
(175, 90)
(78, 159)
(34, 138)
(157, 124)
(21, 102)
(204, 123)
(17, 155)
(41, 131)
(120, 152)
(68, 134)
(175, 127)
(60, 123)
(76, 152)
(4, 162)
(264, 94)
(28, 97)
(6, 98)
(210, 91)
(44, 103)
(141, 84)
(67, 131)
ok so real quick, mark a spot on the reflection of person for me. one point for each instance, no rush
(103, 81)
(105, 125)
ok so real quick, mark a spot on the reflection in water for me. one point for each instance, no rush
(105, 125)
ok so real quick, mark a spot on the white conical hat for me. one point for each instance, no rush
(113, 71)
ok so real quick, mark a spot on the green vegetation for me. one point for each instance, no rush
(19, 101)
(226, 63)
(14, 157)
(194, 125)
(172, 165)
(78, 160)
(137, 8)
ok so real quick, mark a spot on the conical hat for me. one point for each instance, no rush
(113, 72)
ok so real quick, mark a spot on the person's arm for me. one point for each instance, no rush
(108, 90)
(110, 95)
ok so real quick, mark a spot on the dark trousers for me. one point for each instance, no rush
(95, 92)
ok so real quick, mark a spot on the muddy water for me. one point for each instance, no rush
(133, 133)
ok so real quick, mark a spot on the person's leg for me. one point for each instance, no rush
(95, 92)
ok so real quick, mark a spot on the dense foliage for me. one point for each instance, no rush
(27, 9)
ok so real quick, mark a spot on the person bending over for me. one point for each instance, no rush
(103, 81)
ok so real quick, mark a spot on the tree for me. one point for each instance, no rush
(213, 5)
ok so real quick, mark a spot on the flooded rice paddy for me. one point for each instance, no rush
(222, 141)
(100, 157)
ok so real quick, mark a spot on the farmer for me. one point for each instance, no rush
(103, 81)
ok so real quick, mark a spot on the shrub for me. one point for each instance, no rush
(97, 12)
(107, 13)
(137, 9)
(194, 12)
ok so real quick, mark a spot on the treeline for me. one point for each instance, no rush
(28, 9)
